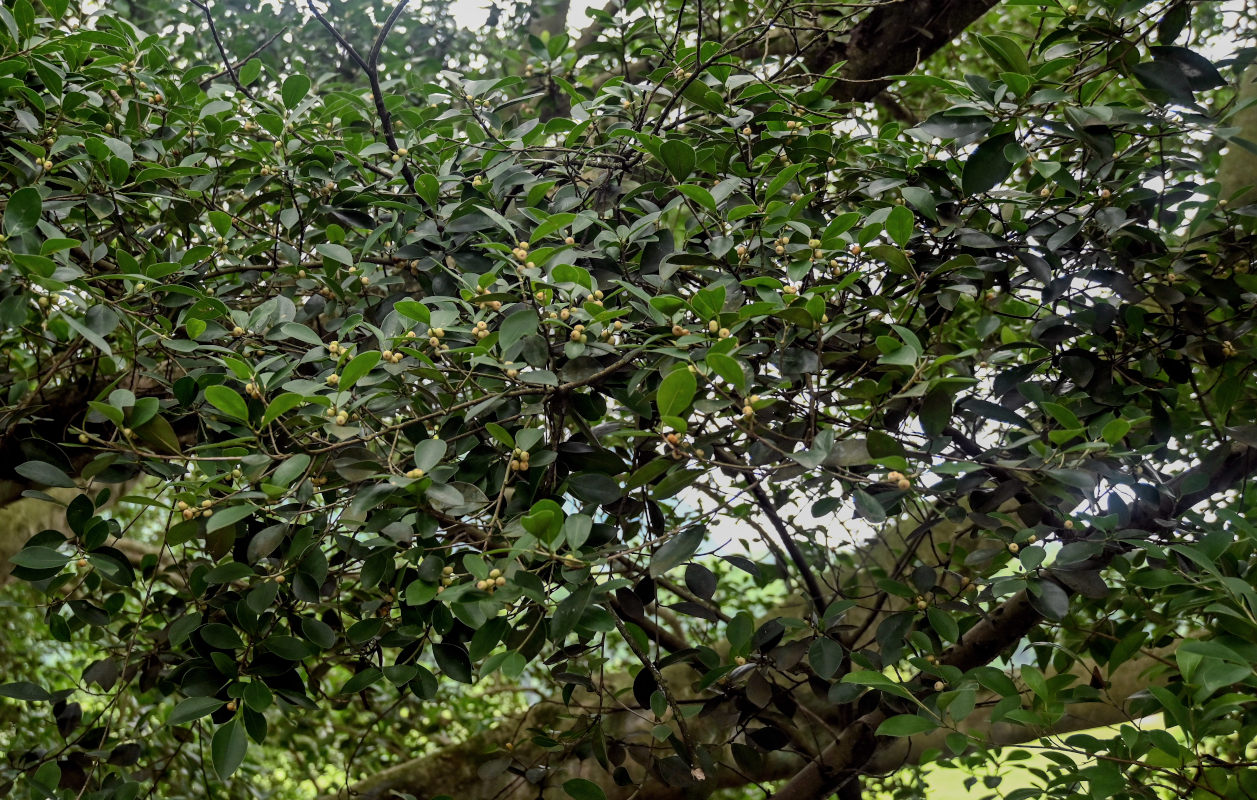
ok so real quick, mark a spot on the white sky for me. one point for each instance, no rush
(472, 14)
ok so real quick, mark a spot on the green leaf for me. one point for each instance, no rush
(568, 613)
(291, 470)
(228, 516)
(21, 214)
(987, 167)
(675, 482)
(318, 632)
(544, 520)
(1062, 415)
(680, 548)
(249, 72)
(193, 708)
(412, 309)
(25, 690)
(581, 789)
(39, 557)
(221, 221)
(826, 656)
(678, 157)
(699, 195)
(301, 332)
(1006, 53)
(906, 725)
(338, 253)
(429, 452)
(359, 366)
(228, 401)
(944, 624)
(920, 199)
(867, 506)
(228, 748)
(516, 327)
(87, 333)
(1049, 599)
(899, 225)
(280, 405)
(728, 368)
(676, 392)
(44, 473)
(453, 661)
(361, 681)
(295, 89)
(879, 681)
(1115, 430)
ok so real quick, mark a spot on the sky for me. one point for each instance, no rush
(473, 13)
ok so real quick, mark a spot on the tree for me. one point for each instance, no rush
(710, 400)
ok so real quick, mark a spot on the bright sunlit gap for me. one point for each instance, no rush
(472, 14)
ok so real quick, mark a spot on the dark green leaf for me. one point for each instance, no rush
(227, 401)
(228, 748)
(987, 166)
(905, 725)
(678, 157)
(46, 474)
(22, 211)
(676, 392)
(581, 789)
(676, 550)
(453, 661)
(193, 708)
(295, 89)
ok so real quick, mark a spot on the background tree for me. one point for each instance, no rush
(700, 402)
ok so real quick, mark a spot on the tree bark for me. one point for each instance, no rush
(1238, 173)
(457, 770)
(893, 39)
(1219, 471)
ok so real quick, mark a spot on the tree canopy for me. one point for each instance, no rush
(754, 398)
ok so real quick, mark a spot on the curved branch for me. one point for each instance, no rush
(1221, 470)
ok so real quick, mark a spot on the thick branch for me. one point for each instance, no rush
(1125, 682)
(893, 39)
(455, 770)
(1219, 471)
(548, 17)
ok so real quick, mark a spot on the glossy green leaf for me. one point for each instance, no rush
(228, 748)
(295, 89)
(228, 401)
(676, 392)
(22, 211)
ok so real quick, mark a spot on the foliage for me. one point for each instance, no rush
(448, 361)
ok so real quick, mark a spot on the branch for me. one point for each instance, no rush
(1124, 685)
(455, 770)
(893, 39)
(370, 66)
(36, 431)
(1219, 471)
(553, 23)
(819, 603)
(677, 714)
(205, 82)
(222, 51)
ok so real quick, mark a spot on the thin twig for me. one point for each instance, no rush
(792, 549)
(370, 66)
(648, 664)
(205, 82)
(222, 51)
